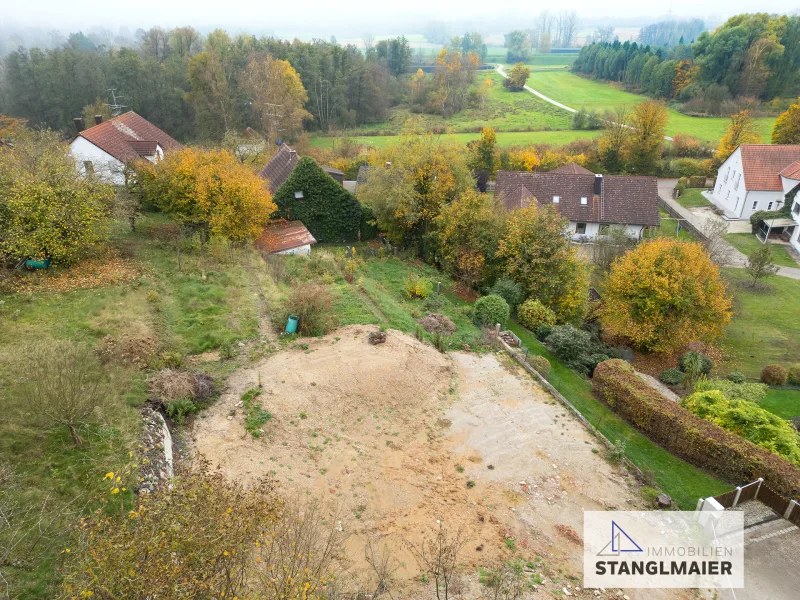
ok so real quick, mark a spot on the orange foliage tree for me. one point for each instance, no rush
(787, 127)
(742, 130)
(210, 190)
(664, 294)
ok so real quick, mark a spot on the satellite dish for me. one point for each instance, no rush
(278, 142)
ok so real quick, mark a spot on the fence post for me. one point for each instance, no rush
(789, 509)
(438, 287)
(760, 481)
(736, 497)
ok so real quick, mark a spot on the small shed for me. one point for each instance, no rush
(286, 237)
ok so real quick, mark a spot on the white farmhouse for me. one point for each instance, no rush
(108, 146)
(591, 202)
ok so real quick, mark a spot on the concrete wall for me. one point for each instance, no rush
(105, 166)
(300, 250)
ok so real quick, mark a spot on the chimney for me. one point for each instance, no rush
(292, 155)
(98, 119)
(78, 122)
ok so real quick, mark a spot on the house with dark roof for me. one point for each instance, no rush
(591, 202)
(286, 237)
(281, 165)
(105, 148)
(758, 177)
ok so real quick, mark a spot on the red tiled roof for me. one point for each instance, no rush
(279, 167)
(126, 136)
(624, 200)
(284, 235)
(762, 165)
(792, 171)
(572, 169)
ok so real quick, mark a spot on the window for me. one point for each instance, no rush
(580, 228)
(89, 167)
(728, 172)
(584, 200)
(796, 208)
(556, 199)
(769, 206)
(755, 205)
(604, 229)
(298, 194)
(737, 204)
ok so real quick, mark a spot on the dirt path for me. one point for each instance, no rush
(393, 434)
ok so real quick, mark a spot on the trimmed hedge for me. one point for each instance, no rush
(489, 310)
(686, 435)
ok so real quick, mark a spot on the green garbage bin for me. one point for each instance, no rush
(291, 324)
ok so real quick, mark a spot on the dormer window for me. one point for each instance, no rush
(584, 200)
(298, 195)
(556, 199)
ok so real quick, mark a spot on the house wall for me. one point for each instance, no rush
(300, 250)
(762, 201)
(593, 230)
(730, 193)
(795, 239)
(105, 165)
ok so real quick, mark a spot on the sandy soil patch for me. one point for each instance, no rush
(393, 433)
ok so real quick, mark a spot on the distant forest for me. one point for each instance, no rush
(751, 58)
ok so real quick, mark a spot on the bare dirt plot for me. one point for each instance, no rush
(393, 433)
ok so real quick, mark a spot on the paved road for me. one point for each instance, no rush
(737, 259)
(527, 88)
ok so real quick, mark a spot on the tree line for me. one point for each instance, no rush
(751, 56)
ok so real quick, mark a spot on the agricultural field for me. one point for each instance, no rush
(577, 92)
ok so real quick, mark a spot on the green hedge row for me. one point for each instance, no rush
(695, 440)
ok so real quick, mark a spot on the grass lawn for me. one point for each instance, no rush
(668, 227)
(682, 481)
(765, 328)
(505, 139)
(784, 402)
(693, 198)
(560, 60)
(747, 243)
(575, 92)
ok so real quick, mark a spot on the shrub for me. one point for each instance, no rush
(179, 410)
(171, 385)
(417, 287)
(593, 360)
(617, 451)
(737, 377)
(686, 435)
(748, 420)
(489, 310)
(532, 314)
(672, 376)
(752, 392)
(313, 305)
(510, 291)
(437, 303)
(706, 364)
(569, 344)
(793, 375)
(543, 332)
(774, 375)
(438, 324)
(540, 363)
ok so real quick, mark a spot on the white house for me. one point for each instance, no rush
(750, 179)
(591, 202)
(108, 146)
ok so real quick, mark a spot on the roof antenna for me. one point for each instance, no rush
(114, 105)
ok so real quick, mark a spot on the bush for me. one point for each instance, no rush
(570, 344)
(543, 332)
(510, 291)
(737, 377)
(489, 310)
(793, 375)
(686, 435)
(751, 392)
(179, 410)
(312, 304)
(437, 303)
(672, 376)
(540, 363)
(593, 360)
(706, 364)
(774, 375)
(748, 420)
(417, 287)
(532, 314)
(438, 324)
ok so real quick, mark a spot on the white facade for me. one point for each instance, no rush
(731, 195)
(300, 250)
(102, 163)
(795, 239)
(581, 230)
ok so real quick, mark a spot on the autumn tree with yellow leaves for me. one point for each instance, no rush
(535, 252)
(742, 130)
(787, 127)
(454, 74)
(208, 190)
(648, 125)
(664, 294)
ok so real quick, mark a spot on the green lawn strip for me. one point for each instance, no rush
(765, 328)
(784, 402)
(669, 225)
(747, 243)
(693, 198)
(682, 481)
(576, 92)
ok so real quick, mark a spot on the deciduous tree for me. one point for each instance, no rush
(517, 77)
(787, 127)
(643, 150)
(742, 130)
(664, 294)
(759, 265)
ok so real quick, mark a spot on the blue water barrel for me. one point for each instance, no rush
(291, 324)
